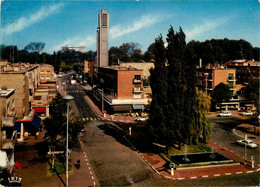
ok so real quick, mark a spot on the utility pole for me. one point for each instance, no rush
(102, 100)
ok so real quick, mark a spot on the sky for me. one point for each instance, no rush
(75, 22)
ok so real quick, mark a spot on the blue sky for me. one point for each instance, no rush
(61, 23)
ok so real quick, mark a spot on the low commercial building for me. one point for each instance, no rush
(122, 88)
(46, 73)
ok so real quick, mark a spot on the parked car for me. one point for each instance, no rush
(248, 143)
(247, 113)
(224, 114)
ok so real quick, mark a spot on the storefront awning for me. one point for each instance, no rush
(36, 122)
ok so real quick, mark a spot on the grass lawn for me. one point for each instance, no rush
(189, 149)
(59, 166)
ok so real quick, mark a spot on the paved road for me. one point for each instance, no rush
(222, 133)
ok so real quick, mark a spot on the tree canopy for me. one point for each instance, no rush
(221, 93)
(175, 107)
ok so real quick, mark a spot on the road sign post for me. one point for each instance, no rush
(172, 166)
(252, 161)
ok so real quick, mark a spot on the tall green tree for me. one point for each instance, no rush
(157, 123)
(173, 83)
(201, 126)
(221, 93)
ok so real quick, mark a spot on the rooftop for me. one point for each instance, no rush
(121, 68)
(5, 93)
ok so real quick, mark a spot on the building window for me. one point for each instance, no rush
(137, 95)
(42, 71)
(48, 77)
(104, 20)
(231, 76)
(48, 72)
(138, 77)
(42, 77)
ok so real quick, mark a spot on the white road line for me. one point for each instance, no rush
(217, 175)
(227, 173)
(239, 172)
(250, 171)
(180, 178)
(193, 177)
(205, 176)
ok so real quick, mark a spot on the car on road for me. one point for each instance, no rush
(141, 118)
(224, 114)
(248, 143)
(247, 113)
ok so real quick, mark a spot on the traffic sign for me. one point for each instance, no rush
(172, 165)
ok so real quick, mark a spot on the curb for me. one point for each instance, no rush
(242, 136)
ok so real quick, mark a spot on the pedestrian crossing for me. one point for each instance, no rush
(91, 119)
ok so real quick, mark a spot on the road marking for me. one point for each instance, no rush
(84, 119)
(87, 118)
(91, 119)
(217, 175)
(239, 172)
(205, 176)
(227, 173)
(250, 171)
(180, 178)
(193, 177)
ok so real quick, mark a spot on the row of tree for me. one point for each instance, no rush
(178, 110)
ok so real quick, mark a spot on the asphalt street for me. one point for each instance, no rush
(222, 133)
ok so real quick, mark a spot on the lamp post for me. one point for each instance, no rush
(67, 98)
(206, 74)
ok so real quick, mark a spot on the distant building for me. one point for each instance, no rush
(46, 73)
(102, 39)
(81, 48)
(8, 135)
(245, 69)
(208, 79)
(123, 88)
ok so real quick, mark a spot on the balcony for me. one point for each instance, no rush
(137, 90)
(137, 81)
(8, 143)
(9, 120)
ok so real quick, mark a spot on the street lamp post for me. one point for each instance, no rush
(67, 98)
(206, 74)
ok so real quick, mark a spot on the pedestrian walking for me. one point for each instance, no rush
(78, 163)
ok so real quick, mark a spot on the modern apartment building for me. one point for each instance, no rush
(208, 79)
(8, 135)
(46, 73)
(24, 79)
(122, 88)
(102, 39)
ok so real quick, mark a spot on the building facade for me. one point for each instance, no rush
(24, 79)
(122, 88)
(102, 39)
(8, 135)
(46, 73)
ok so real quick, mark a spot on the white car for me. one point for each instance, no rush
(247, 113)
(224, 114)
(141, 119)
(248, 143)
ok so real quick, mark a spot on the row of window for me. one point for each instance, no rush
(47, 77)
(45, 72)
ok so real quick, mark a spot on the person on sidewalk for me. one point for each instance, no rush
(78, 163)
